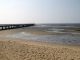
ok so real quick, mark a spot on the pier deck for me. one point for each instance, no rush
(14, 26)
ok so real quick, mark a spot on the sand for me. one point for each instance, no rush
(17, 49)
(27, 30)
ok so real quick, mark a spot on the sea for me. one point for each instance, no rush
(66, 33)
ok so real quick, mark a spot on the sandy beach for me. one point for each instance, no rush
(14, 49)
(19, 49)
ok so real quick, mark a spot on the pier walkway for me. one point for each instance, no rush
(13, 26)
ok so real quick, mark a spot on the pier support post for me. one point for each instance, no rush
(5, 27)
(2, 27)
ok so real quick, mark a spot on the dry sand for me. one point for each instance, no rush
(17, 49)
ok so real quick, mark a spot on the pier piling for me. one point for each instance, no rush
(13, 26)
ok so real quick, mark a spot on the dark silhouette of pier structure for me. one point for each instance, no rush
(14, 26)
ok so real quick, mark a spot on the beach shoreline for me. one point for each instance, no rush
(25, 49)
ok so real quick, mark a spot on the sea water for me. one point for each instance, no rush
(66, 33)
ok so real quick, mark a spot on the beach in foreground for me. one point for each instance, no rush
(16, 49)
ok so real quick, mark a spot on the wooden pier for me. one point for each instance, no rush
(14, 26)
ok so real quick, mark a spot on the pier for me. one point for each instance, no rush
(13, 26)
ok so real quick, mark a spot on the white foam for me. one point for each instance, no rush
(68, 39)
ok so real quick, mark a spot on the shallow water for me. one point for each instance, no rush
(62, 39)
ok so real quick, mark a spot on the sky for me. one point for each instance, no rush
(39, 11)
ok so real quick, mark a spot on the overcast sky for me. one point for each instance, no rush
(39, 11)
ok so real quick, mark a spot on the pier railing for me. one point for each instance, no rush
(14, 26)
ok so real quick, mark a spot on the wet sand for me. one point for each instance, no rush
(27, 30)
(17, 49)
